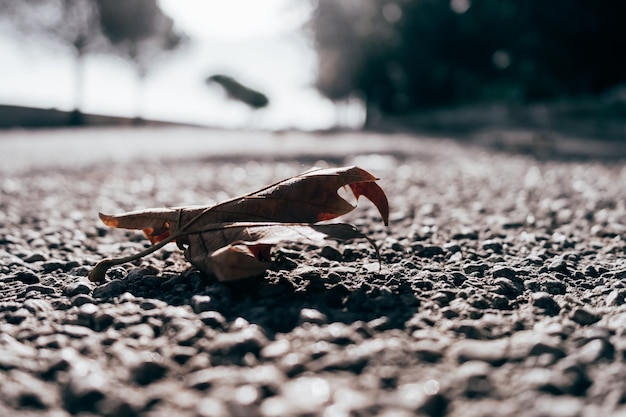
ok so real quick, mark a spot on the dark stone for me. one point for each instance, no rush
(182, 354)
(53, 266)
(475, 268)
(466, 233)
(591, 271)
(150, 304)
(430, 251)
(555, 287)
(426, 352)
(137, 274)
(339, 334)
(111, 289)
(331, 253)
(584, 317)
(492, 245)
(60, 361)
(559, 265)
(336, 295)
(507, 288)
(213, 319)
(347, 360)
(27, 277)
(148, 371)
(18, 316)
(80, 299)
(76, 288)
(452, 247)
(458, 278)
(545, 301)
(102, 320)
(504, 272)
(478, 301)
(568, 380)
(315, 284)
(43, 289)
(500, 302)
(202, 303)
(470, 330)
(35, 257)
(540, 348)
(248, 340)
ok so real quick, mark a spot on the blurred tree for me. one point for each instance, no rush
(137, 29)
(407, 54)
(140, 32)
(71, 22)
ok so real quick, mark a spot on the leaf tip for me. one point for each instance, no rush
(109, 220)
(375, 194)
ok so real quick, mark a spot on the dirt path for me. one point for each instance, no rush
(501, 294)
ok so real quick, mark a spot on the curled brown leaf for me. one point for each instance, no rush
(231, 239)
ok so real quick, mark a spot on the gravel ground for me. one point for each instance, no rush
(501, 291)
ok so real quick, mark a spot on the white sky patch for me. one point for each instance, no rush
(237, 19)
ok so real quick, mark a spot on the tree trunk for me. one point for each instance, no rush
(76, 118)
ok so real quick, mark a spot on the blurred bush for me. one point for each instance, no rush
(403, 55)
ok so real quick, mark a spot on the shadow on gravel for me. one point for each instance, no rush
(280, 300)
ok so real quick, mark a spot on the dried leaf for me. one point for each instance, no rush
(232, 239)
(247, 245)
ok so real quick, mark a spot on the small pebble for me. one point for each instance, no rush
(250, 339)
(80, 299)
(545, 301)
(35, 257)
(310, 315)
(148, 371)
(202, 303)
(475, 268)
(212, 319)
(504, 272)
(85, 388)
(595, 350)
(559, 265)
(473, 377)
(430, 251)
(78, 287)
(492, 245)
(584, 316)
(331, 253)
(27, 277)
(40, 288)
(111, 289)
(493, 352)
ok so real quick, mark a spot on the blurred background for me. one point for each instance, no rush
(316, 64)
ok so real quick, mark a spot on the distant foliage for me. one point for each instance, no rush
(138, 30)
(407, 54)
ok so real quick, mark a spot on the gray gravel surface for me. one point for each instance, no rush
(501, 291)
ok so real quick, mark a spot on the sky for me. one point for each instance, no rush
(259, 43)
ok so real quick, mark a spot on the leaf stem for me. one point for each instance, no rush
(98, 273)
